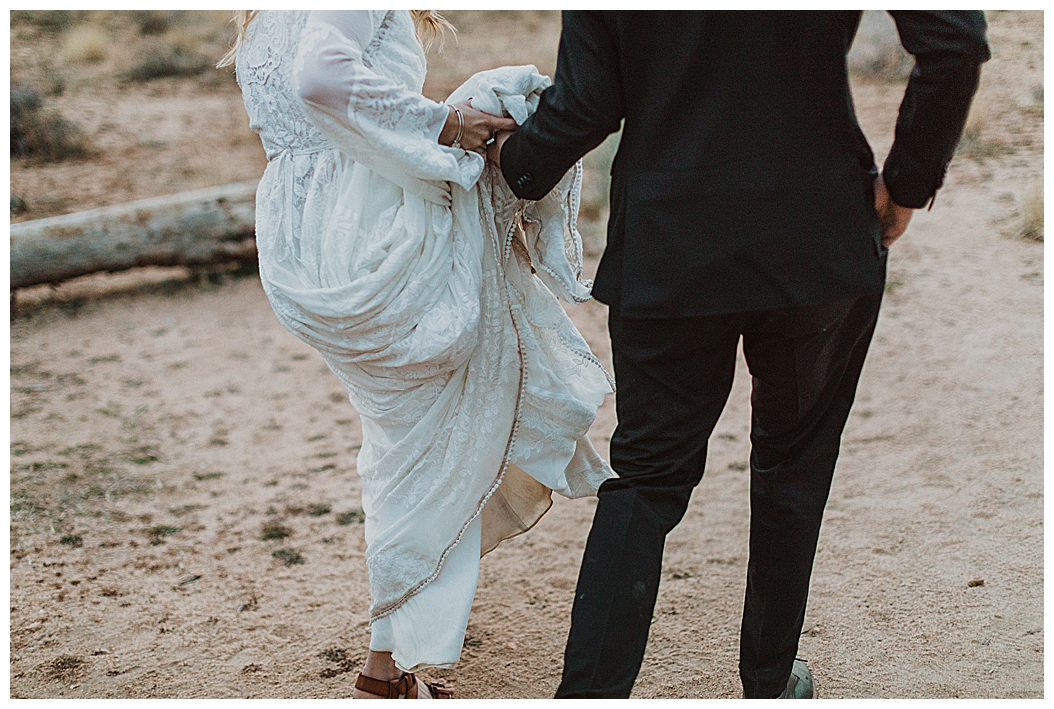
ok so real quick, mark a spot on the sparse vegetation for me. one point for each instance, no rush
(47, 20)
(275, 530)
(975, 142)
(976, 122)
(73, 540)
(163, 60)
(1030, 221)
(289, 557)
(876, 52)
(352, 517)
(143, 455)
(56, 83)
(18, 205)
(86, 43)
(158, 533)
(339, 657)
(63, 667)
(152, 22)
(78, 473)
(38, 133)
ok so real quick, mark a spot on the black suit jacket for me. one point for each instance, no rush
(742, 180)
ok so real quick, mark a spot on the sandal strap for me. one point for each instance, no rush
(441, 690)
(404, 687)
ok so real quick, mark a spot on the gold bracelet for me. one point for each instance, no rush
(460, 128)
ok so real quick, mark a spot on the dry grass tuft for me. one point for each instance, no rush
(974, 143)
(86, 43)
(1030, 222)
(187, 40)
(976, 122)
(876, 52)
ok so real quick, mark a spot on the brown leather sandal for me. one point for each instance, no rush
(439, 689)
(404, 687)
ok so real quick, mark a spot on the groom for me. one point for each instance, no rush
(745, 203)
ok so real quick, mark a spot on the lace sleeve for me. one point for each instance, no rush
(369, 117)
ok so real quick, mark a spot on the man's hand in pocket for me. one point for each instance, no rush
(892, 217)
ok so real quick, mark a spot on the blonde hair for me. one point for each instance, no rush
(241, 20)
(428, 24)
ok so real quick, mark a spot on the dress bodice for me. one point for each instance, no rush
(266, 72)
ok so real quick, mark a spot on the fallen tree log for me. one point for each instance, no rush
(195, 228)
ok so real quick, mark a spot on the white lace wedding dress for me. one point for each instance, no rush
(428, 288)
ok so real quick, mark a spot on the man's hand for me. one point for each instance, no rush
(891, 216)
(494, 149)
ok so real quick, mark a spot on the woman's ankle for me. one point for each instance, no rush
(380, 665)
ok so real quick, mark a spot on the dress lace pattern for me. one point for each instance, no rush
(394, 257)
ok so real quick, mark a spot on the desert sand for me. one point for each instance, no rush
(184, 501)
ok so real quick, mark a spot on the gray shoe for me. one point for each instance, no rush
(799, 686)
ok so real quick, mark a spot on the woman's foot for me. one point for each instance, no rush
(410, 689)
(380, 670)
(379, 666)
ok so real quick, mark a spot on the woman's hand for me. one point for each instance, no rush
(479, 127)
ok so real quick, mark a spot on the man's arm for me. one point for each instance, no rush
(949, 47)
(576, 113)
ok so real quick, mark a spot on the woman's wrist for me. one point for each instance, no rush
(449, 132)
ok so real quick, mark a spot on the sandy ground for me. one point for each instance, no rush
(162, 425)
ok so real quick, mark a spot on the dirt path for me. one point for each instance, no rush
(160, 432)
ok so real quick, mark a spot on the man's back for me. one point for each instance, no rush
(705, 91)
(742, 180)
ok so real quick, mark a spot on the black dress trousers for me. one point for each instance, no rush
(674, 377)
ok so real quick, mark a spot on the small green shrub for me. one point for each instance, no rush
(25, 102)
(275, 530)
(63, 667)
(42, 134)
(48, 20)
(158, 533)
(352, 517)
(18, 205)
(72, 540)
(155, 21)
(289, 557)
(162, 61)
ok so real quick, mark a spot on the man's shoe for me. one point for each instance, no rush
(799, 686)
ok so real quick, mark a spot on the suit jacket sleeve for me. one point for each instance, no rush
(581, 108)
(949, 47)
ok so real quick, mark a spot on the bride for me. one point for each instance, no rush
(389, 244)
